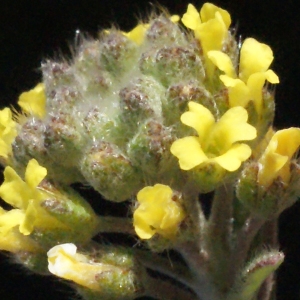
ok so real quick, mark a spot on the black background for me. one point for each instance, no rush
(31, 31)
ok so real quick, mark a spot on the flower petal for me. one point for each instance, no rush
(137, 34)
(211, 35)
(198, 117)
(10, 219)
(222, 61)
(14, 190)
(8, 131)
(189, 152)
(238, 91)
(233, 158)
(191, 19)
(141, 227)
(63, 261)
(232, 127)
(27, 226)
(209, 11)
(34, 173)
(255, 57)
(34, 101)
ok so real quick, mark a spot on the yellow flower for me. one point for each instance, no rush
(8, 131)
(25, 196)
(137, 34)
(255, 60)
(210, 26)
(34, 101)
(275, 161)
(157, 212)
(216, 141)
(10, 238)
(65, 262)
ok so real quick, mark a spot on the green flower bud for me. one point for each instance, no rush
(255, 273)
(265, 202)
(150, 149)
(110, 172)
(63, 139)
(117, 52)
(163, 31)
(178, 96)
(107, 273)
(172, 63)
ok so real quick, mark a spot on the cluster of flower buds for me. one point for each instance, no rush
(160, 116)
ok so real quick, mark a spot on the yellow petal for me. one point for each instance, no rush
(254, 57)
(255, 84)
(275, 159)
(65, 262)
(232, 159)
(191, 19)
(175, 18)
(137, 34)
(238, 91)
(14, 190)
(34, 173)
(198, 117)
(174, 214)
(8, 131)
(14, 242)
(211, 35)
(231, 128)
(5, 149)
(222, 61)
(189, 152)
(26, 227)
(10, 219)
(34, 101)
(209, 11)
(288, 141)
(142, 227)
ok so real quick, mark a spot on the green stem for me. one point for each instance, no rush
(197, 263)
(219, 237)
(244, 239)
(160, 264)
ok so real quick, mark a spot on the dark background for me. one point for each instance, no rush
(31, 31)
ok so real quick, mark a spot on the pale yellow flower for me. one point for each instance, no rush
(255, 60)
(276, 159)
(65, 262)
(26, 197)
(157, 212)
(8, 132)
(210, 26)
(10, 237)
(34, 101)
(217, 142)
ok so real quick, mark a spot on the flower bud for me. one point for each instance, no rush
(110, 172)
(172, 63)
(117, 52)
(109, 273)
(63, 138)
(162, 31)
(154, 139)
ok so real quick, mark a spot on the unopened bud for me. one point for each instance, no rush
(110, 172)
